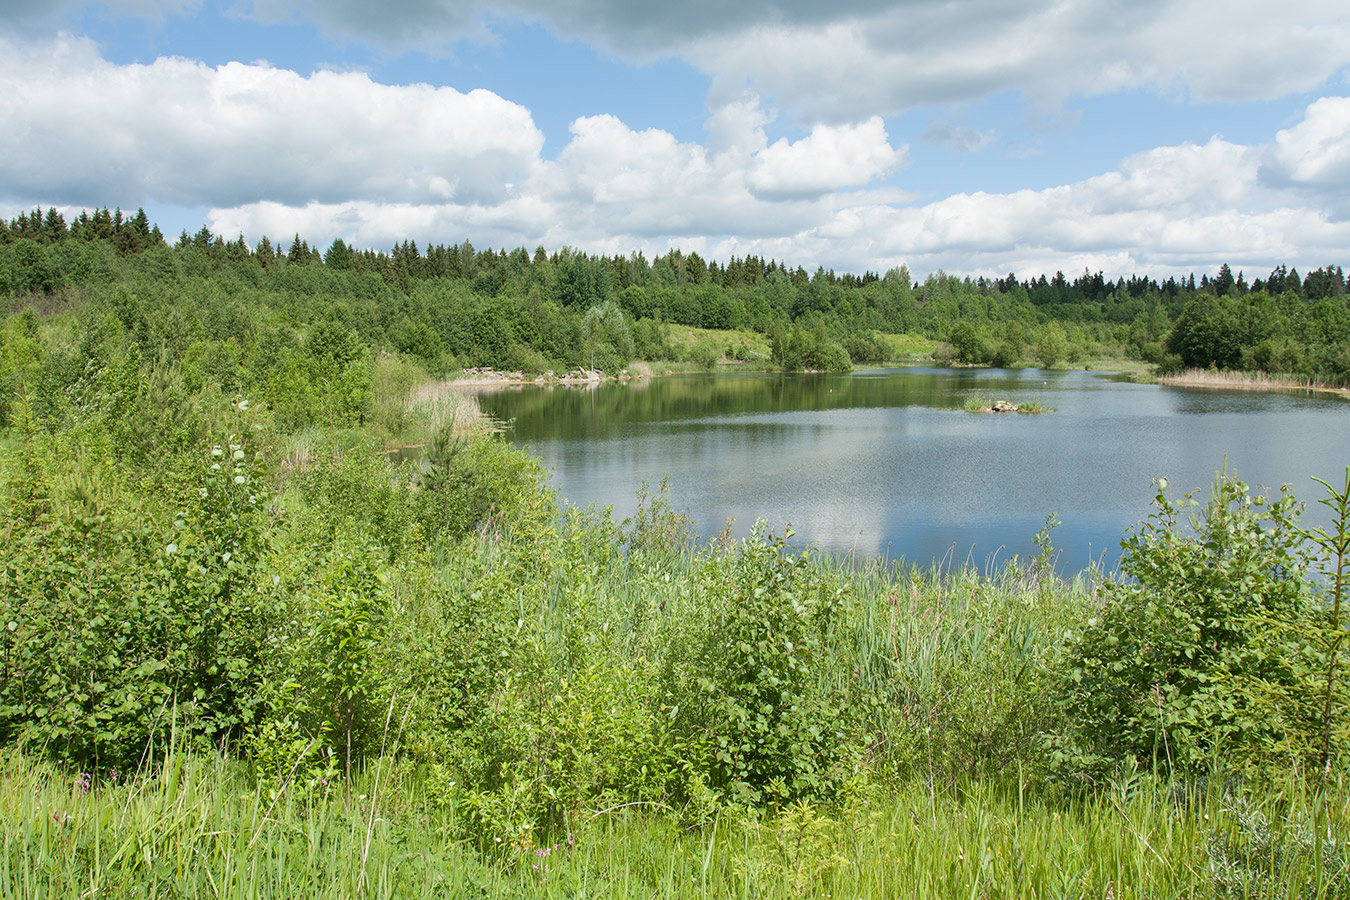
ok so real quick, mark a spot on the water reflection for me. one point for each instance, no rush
(887, 462)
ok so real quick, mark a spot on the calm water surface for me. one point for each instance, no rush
(887, 462)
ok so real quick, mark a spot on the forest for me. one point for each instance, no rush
(247, 653)
(245, 313)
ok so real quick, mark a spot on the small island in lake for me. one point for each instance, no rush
(986, 405)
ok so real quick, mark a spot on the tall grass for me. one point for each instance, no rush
(200, 827)
(435, 405)
(1247, 380)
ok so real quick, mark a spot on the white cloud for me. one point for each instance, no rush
(1168, 211)
(1216, 176)
(913, 54)
(1315, 153)
(74, 126)
(845, 61)
(828, 159)
(331, 154)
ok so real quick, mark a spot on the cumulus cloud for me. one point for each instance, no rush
(273, 152)
(73, 125)
(845, 61)
(1313, 157)
(1167, 211)
(828, 159)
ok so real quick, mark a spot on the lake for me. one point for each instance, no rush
(887, 462)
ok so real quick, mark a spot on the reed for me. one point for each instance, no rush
(1247, 380)
(436, 405)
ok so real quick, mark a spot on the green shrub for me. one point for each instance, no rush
(829, 356)
(468, 483)
(704, 354)
(1181, 664)
(756, 707)
(323, 685)
(123, 620)
(358, 489)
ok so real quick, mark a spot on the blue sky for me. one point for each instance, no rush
(978, 137)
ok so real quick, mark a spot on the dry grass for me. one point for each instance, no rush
(1256, 381)
(438, 404)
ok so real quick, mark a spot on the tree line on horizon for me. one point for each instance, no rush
(455, 305)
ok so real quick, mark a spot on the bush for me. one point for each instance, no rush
(829, 357)
(755, 706)
(704, 354)
(1181, 664)
(322, 684)
(468, 483)
(123, 621)
(359, 490)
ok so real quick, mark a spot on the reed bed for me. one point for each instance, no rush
(437, 405)
(1248, 381)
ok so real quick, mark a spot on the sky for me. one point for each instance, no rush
(975, 137)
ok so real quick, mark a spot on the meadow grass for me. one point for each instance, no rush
(200, 826)
(907, 347)
(683, 337)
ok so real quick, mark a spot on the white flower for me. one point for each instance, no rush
(216, 451)
(239, 479)
(243, 406)
(171, 550)
(225, 557)
(239, 454)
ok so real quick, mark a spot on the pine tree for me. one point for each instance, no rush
(299, 252)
